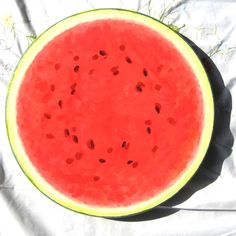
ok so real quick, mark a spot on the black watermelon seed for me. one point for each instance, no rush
(154, 149)
(47, 116)
(116, 72)
(76, 68)
(69, 161)
(128, 60)
(158, 108)
(72, 92)
(66, 132)
(102, 160)
(149, 131)
(145, 72)
(139, 86)
(129, 162)
(90, 144)
(60, 103)
(75, 138)
(102, 52)
(123, 144)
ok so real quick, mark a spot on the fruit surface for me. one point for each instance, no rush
(109, 113)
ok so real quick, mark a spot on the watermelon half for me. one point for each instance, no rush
(109, 112)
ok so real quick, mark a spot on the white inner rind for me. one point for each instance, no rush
(38, 45)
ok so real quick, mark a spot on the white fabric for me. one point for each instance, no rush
(209, 211)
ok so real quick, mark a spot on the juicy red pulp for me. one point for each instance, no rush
(110, 113)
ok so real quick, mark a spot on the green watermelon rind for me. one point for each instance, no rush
(17, 146)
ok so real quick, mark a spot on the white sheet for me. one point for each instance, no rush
(209, 211)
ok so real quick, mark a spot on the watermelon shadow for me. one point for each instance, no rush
(219, 149)
(26, 219)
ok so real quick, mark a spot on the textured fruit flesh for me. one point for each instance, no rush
(110, 113)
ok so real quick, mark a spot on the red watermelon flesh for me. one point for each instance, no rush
(110, 113)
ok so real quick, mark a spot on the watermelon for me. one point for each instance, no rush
(109, 113)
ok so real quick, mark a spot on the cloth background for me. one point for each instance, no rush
(207, 205)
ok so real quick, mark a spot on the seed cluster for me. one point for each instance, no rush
(140, 87)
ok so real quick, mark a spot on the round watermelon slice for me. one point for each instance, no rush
(109, 112)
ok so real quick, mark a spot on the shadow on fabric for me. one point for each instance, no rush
(20, 211)
(219, 149)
